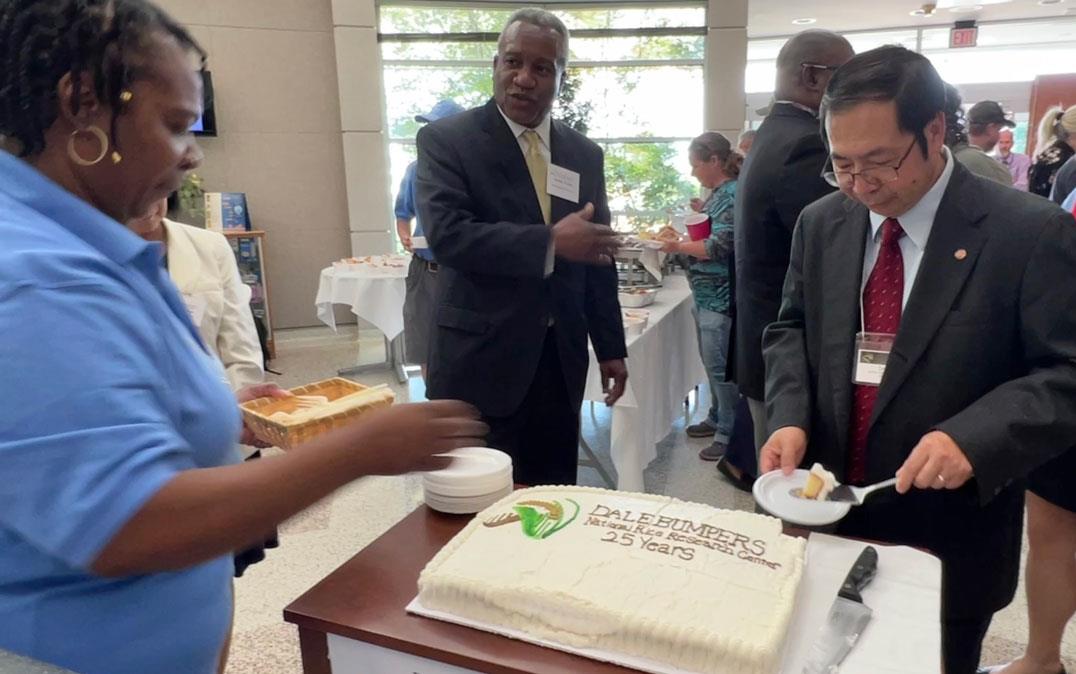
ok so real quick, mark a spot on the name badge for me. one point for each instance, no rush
(563, 183)
(872, 353)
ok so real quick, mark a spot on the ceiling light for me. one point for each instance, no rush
(1050, 2)
(961, 9)
(804, 21)
(922, 12)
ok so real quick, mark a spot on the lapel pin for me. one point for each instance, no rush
(960, 254)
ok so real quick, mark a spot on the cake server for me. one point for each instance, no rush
(847, 618)
(856, 495)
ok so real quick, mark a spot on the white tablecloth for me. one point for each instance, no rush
(903, 636)
(663, 367)
(375, 295)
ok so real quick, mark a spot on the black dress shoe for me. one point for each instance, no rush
(742, 482)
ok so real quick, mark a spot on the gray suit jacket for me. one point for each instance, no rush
(477, 203)
(986, 352)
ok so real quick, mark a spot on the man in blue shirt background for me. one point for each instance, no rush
(422, 274)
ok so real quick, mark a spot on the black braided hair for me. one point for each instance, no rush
(106, 41)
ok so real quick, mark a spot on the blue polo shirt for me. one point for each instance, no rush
(107, 393)
(405, 208)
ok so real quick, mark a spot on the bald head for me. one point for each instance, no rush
(806, 63)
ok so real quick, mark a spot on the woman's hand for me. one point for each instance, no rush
(254, 392)
(406, 438)
(672, 247)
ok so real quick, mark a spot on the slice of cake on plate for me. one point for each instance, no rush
(820, 482)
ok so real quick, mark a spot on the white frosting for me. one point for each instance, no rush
(829, 481)
(706, 590)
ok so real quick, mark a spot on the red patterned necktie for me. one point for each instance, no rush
(882, 298)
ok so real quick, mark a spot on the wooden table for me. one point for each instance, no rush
(365, 600)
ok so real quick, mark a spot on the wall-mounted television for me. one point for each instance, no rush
(207, 123)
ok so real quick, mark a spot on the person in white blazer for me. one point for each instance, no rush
(202, 266)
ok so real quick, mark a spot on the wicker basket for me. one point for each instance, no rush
(257, 413)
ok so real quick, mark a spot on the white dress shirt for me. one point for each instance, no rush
(544, 148)
(916, 223)
(543, 134)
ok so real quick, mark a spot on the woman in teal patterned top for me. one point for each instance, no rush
(716, 166)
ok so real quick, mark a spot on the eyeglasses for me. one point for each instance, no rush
(874, 176)
(818, 66)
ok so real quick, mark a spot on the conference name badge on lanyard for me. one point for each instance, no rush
(872, 354)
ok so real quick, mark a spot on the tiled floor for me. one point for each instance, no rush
(320, 539)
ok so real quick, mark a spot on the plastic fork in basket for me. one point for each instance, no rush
(308, 402)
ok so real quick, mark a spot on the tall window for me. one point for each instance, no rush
(634, 86)
(1009, 51)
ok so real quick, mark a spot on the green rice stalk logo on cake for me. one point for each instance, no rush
(540, 519)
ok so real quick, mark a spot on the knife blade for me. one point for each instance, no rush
(847, 618)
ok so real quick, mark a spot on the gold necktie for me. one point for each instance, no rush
(539, 171)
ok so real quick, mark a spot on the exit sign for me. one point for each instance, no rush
(963, 36)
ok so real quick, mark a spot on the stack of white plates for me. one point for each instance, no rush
(477, 478)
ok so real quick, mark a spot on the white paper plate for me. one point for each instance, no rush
(469, 463)
(773, 491)
(472, 487)
(465, 506)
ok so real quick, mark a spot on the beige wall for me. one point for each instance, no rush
(278, 116)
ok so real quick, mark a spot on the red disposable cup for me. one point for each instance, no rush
(698, 226)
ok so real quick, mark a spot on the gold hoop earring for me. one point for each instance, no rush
(97, 133)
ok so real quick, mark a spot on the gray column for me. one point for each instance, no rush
(362, 121)
(726, 61)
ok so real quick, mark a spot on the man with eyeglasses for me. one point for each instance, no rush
(778, 178)
(961, 286)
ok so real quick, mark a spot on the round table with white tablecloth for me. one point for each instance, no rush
(375, 292)
(374, 287)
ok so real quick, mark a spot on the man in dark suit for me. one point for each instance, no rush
(780, 176)
(518, 297)
(963, 289)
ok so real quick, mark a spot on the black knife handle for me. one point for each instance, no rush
(861, 574)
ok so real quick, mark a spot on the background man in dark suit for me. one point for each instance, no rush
(517, 297)
(979, 385)
(780, 176)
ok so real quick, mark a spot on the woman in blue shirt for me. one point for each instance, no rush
(122, 496)
(716, 166)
